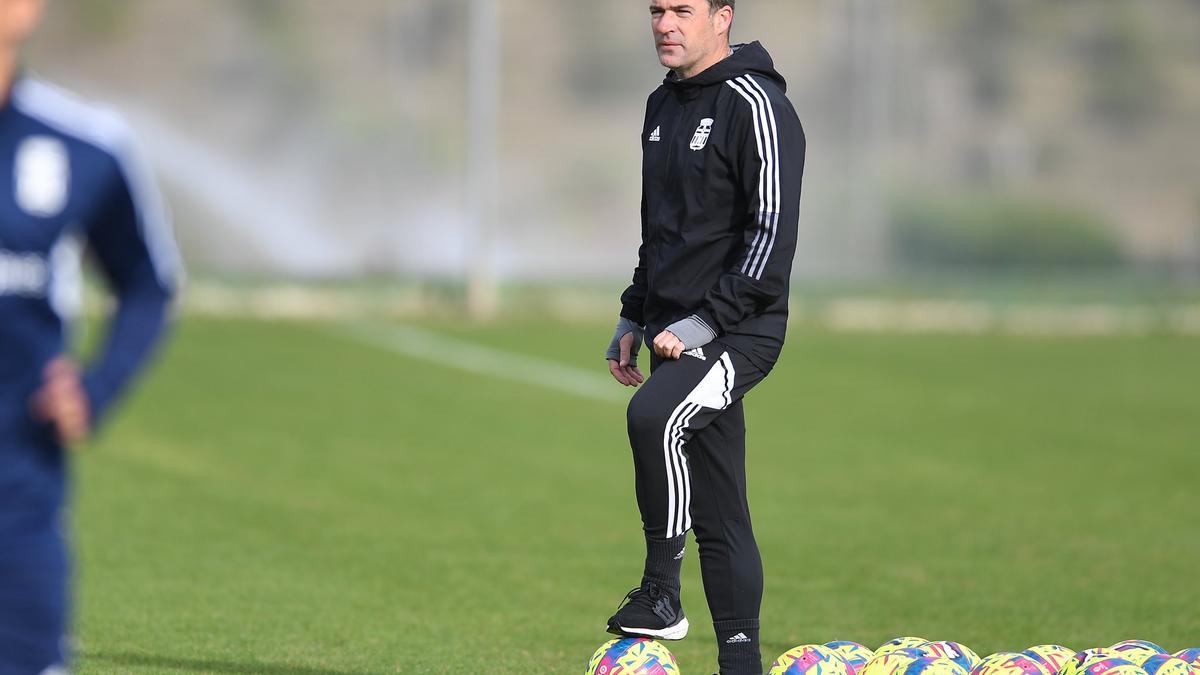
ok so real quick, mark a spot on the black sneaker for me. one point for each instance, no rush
(650, 612)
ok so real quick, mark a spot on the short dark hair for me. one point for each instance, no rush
(714, 5)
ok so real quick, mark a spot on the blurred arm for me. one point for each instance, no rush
(133, 243)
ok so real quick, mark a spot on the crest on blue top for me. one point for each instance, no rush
(42, 176)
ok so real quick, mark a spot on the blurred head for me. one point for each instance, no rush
(18, 18)
(691, 35)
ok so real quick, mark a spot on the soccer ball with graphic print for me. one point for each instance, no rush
(904, 642)
(1165, 664)
(810, 660)
(632, 656)
(1010, 663)
(892, 662)
(854, 654)
(1051, 657)
(1137, 651)
(1099, 661)
(935, 665)
(1191, 655)
(955, 651)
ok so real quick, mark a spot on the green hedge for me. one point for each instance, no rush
(999, 232)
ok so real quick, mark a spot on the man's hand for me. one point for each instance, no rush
(668, 346)
(624, 373)
(62, 402)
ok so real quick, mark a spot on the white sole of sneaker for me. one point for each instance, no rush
(676, 632)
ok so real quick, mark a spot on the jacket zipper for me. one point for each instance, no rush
(671, 146)
(656, 224)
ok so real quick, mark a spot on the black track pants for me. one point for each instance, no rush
(687, 429)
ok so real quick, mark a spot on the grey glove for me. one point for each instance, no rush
(692, 332)
(614, 348)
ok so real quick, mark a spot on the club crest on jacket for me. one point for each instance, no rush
(700, 139)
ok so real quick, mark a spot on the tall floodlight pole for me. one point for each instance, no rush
(483, 130)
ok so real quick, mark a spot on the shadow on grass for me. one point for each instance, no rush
(131, 660)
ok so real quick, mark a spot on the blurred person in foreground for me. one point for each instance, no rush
(70, 180)
(723, 156)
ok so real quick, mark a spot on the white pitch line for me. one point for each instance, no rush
(451, 352)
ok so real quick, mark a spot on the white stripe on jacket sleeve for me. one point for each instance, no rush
(766, 135)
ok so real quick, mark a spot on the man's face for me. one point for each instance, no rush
(18, 18)
(686, 33)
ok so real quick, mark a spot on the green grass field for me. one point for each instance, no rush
(279, 498)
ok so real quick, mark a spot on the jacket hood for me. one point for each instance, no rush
(747, 59)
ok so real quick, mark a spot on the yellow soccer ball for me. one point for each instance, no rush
(958, 653)
(1165, 664)
(934, 665)
(899, 643)
(810, 660)
(1052, 657)
(1011, 663)
(855, 655)
(1099, 662)
(1137, 651)
(632, 656)
(1191, 655)
(891, 663)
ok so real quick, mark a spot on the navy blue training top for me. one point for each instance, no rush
(73, 180)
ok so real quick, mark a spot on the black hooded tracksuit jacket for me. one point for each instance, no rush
(723, 159)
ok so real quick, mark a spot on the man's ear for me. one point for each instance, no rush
(723, 20)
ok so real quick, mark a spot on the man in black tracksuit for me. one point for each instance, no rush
(723, 157)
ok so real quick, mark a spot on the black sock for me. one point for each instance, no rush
(737, 647)
(664, 558)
